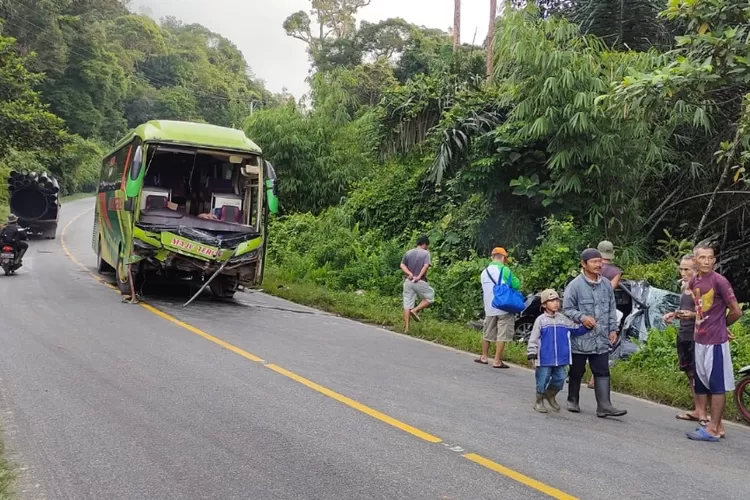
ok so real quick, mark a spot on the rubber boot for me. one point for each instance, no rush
(539, 406)
(604, 407)
(549, 395)
(574, 391)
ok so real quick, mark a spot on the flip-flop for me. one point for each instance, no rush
(703, 422)
(701, 434)
(415, 316)
(478, 360)
(501, 366)
(687, 416)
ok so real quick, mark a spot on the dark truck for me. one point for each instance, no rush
(34, 199)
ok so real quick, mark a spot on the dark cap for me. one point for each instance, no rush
(590, 253)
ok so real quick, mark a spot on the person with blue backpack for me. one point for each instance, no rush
(500, 288)
(549, 347)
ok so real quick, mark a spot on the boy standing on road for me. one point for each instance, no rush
(549, 346)
(686, 336)
(714, 375)
(499, 325)
(414, 265)
(589, 299)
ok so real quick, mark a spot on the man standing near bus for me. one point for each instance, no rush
(714, 375)
(415, 264)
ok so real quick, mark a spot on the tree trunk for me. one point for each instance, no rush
(456, 25)
(491, 41)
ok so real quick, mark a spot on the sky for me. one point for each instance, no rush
(255, 27)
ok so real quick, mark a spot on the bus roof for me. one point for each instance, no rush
(192, 134)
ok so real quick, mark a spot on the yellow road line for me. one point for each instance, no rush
(517, 476)
(357, 406)
(197, 331)
(478, 459)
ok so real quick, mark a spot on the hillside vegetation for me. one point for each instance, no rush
(574, 122)
(75, 75)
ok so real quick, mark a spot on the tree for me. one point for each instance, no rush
(491, 40)
(25, 121)
(334, 19)
(456, 25)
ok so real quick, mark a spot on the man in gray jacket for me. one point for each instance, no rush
(589, 299)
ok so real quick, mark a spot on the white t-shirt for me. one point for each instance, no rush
(487, 286)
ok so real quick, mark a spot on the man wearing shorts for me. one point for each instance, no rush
(499, 325)
(414, 265)
(686, 336)
(714, 376)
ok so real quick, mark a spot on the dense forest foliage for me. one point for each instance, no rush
(619, 120)
(75, 75)
(573, 122)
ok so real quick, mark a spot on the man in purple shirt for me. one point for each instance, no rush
(714, 376)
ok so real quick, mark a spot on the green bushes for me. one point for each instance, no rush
(557, 257)
(662, 274)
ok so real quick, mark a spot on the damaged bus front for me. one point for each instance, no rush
(184, 202)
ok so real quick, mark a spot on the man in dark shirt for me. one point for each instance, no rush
(13, 235)
(686, 335)
(609, 270)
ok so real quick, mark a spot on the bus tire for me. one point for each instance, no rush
(120, 273)
(101, 266)
(223, 287)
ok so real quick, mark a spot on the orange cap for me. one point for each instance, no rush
(499, 250)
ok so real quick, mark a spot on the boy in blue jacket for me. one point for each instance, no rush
(549, 346)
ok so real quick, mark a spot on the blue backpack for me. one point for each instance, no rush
(504, 296)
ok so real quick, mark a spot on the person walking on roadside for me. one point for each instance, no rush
(686, 336)
(549, 347)
(714, 377)
(499, 325)
(415, 264)
(589, 299)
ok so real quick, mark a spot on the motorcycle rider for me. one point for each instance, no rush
(14, 235)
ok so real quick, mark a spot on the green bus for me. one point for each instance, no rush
(184, 202)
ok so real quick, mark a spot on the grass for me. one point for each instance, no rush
(7, 476)
(662, 384)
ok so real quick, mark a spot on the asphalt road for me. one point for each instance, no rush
(265, 399)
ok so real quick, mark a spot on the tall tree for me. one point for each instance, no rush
(491, 40)
(456, 24)
(335, 19)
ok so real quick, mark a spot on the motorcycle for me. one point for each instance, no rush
(8, 259)
(525, 319)
(742, 393)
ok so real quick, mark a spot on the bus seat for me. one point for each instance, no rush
(156, 201)
(229, 213)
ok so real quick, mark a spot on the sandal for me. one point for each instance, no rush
(501, 366)
(701, 434)
(688, 417)
(415, 316)
(479, 360)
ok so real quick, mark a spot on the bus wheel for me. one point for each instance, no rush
(121, 273)
(101, 266)
(223, 287)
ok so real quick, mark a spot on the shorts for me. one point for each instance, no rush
(499, 328)
(686, 355)
(714, 373)
(420, 289)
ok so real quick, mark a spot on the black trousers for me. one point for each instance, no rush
(21, 247)
(599, 364)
